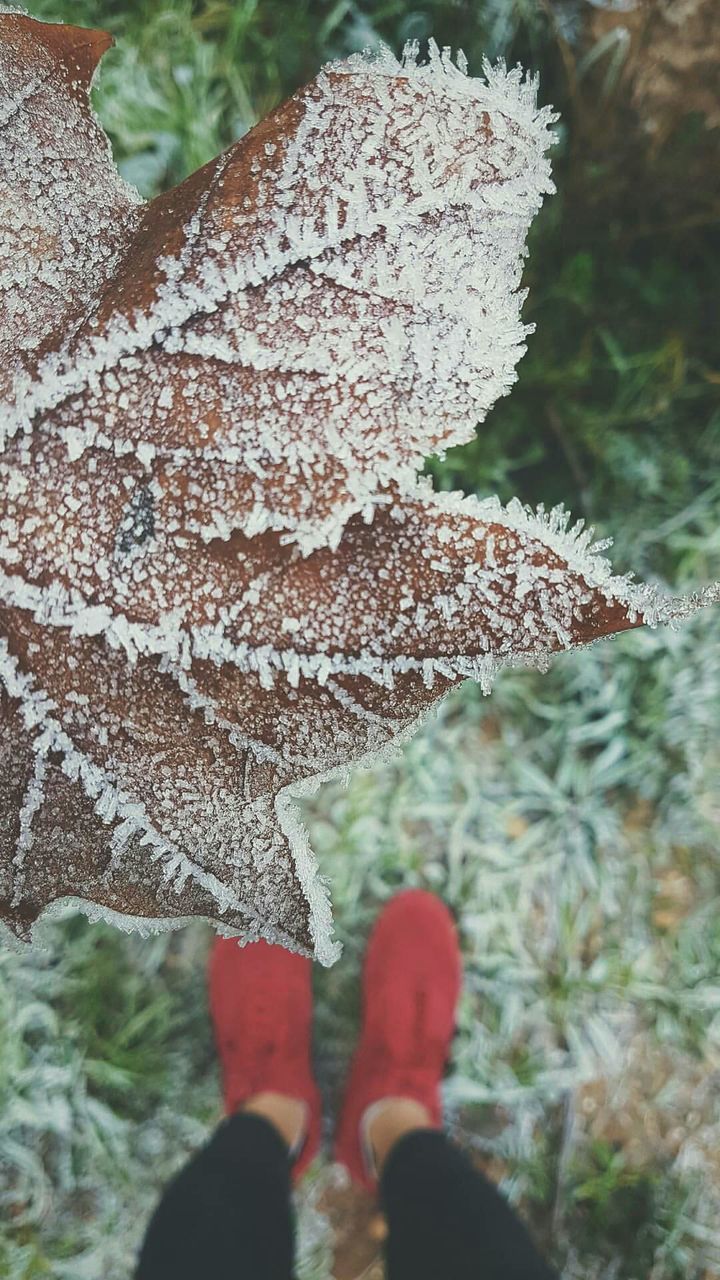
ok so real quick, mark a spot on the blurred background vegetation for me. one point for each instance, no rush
(572, 820)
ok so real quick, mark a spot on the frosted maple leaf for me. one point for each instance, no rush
(221, 580)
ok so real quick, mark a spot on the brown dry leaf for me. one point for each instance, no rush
(683, 1120)
(516, 826)
(674, 899)
(672, 63)
(358, 1231)
(220, 578)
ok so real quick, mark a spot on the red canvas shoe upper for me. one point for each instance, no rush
(411, 985)
(261, 1007)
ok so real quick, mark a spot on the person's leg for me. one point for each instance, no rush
(446, 1219)
(412, 977)
(261, 1008)
(228, 1212)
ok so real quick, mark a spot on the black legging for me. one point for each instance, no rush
(227, 1215)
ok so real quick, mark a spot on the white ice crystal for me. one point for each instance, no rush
(221, 580)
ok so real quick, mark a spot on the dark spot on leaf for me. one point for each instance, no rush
(138, 522)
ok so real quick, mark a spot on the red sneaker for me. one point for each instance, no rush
(411, 984)
(261, 1006)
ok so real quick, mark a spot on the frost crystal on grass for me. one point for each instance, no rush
(221, 580)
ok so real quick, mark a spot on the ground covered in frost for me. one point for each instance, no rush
(572, 820)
